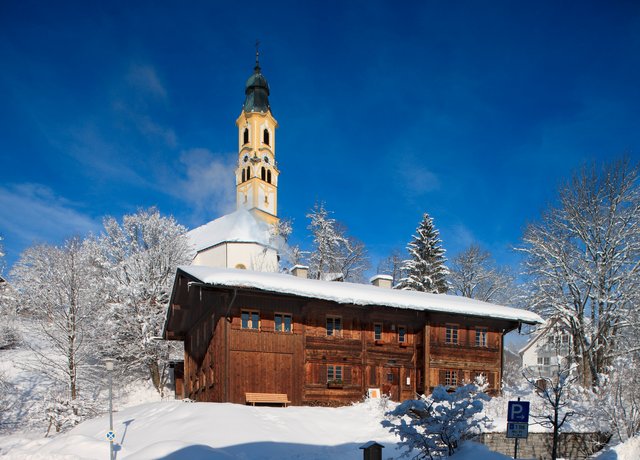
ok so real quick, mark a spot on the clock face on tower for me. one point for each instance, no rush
(266, 159)
(246, 158)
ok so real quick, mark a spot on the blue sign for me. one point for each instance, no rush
(111, 435)
(517, 430)
(518, 411)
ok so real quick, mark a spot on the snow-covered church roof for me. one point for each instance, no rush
(355, 294)
(239, 226)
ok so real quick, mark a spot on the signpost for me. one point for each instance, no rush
(517, 422)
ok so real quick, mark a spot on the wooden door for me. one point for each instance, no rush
(391, 382)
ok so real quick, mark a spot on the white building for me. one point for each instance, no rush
(549, 346)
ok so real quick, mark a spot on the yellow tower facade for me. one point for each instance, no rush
(257, 174)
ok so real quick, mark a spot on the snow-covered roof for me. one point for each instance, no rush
(239, 226)
(356, 294)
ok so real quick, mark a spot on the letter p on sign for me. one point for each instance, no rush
(518, 411)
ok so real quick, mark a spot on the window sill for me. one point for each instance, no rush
(404, 345)
(379, 342)
(335, 386)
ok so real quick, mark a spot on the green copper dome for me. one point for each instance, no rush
(256, 92)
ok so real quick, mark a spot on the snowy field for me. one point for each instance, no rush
(179, 430)
(183, 430)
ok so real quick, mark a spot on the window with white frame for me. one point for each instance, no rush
(402, 334)
(450, 378)
(481, 336)
(283, 322)
(334, 374)
(451, 334)
(377, 331)
(250, 319)
(334, 326)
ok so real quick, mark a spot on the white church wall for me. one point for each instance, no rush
(250, 256)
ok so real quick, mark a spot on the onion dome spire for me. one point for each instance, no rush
(256, 89)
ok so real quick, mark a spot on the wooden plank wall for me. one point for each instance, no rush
(223, 361)
(464, 357)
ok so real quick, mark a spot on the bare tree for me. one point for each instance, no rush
(583, 259)
(474, 274)
(619, 397)
(60, 287)
(1, 257)
(290, 254)
(557, 394)
(334, 253)
(140, 257)
(393, 266)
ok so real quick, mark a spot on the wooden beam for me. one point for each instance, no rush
(427, 357)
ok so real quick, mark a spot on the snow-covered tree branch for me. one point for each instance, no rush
(334, 254)
(140, 257)
(474, 274)
(61, 289)
(437, 424)
(583, 260)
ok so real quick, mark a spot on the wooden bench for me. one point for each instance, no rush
(267, 398)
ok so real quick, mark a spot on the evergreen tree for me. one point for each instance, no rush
(425, 271)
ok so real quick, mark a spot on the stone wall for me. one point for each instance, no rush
(538, 445)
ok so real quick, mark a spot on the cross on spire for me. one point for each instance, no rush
(257, 68)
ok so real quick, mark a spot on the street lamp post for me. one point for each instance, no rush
(109, 365)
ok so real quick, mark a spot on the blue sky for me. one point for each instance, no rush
(472, 111)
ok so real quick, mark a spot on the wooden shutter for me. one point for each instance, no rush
(346, 374)
(322, 373)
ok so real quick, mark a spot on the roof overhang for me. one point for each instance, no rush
(227, 281)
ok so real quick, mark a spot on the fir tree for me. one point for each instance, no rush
(425, 271)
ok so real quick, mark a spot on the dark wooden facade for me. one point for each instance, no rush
(403, 352)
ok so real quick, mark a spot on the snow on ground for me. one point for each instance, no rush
(180, 430)
(629, 450)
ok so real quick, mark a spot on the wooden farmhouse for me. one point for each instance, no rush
(328, 343)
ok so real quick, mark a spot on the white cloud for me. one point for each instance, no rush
(33, 213)
(416, 179)
(144, 78)
(208, 183)
(462, 237)
(420, 180)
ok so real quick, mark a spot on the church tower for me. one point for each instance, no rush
(256, 174)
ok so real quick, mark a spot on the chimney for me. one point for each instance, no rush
(383, 281)
(301, 271)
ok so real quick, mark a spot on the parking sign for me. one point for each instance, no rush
(518, 411)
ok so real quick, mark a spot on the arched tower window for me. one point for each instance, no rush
(269, 176)
(246, 135)
(244, 175)
(263, 174)
(248, 172)
(266, 136)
